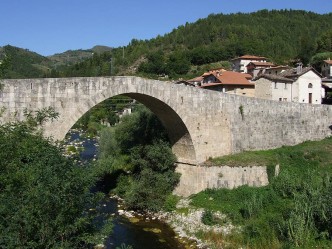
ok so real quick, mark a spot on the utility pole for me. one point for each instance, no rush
(111, 66)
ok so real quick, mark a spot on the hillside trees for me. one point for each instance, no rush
(323, 50)
(283, 36)
(324, 42)
(280, 35)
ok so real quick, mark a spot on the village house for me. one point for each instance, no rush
(240, 64)
(293, 85)
(225, 81)
(256, 68)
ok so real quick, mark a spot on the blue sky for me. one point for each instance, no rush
(54, 26)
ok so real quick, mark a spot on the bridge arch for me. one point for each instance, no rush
(178, 133)
(201, 123)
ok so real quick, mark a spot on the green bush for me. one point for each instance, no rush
(170, 202)
(208, 218)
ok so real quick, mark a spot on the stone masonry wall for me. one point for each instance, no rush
(198, 178)
(204, 123)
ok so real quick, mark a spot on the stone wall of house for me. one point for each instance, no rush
(198, 178)
(247, 92)
(263, 88)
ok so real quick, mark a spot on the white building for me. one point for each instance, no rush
(240, 64)
(294, 85)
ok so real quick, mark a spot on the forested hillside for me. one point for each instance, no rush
(27, 64)
(283, 36)
(24, 63)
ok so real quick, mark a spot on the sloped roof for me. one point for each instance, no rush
(261, 64)
(234, 78)
(225, 77)
(250, 57)
(293, 72)
(197, 79)
(187, 83)
(274, 77)
(210, 84)
(328, 62)
(278, 67)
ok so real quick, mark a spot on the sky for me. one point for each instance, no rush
(55, 26)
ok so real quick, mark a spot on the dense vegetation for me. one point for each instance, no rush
(279, 35)
(293, 211)
(28, 64)
(45, 197)
(105, 113)
(24, 63)
(137, 152)
(283, 36)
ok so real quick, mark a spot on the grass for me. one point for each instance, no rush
(310, 150)
(292, 211)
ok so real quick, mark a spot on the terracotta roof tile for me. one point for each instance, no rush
(328, 62)
(234, 78)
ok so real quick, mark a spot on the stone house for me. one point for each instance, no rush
(293, 85)
(240, 64)
(226, 81)
(256, 68)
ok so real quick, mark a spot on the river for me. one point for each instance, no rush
(141, 234)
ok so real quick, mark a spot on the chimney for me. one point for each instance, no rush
(299, 67)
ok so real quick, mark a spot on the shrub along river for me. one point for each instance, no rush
(139, 233)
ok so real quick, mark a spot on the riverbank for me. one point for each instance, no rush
(186, 221)
(293, 210)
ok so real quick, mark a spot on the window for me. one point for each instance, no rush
(275, 85)
(310, 85)
(285, 85)
(280, 99)
(285, 99)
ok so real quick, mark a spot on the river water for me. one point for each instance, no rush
(141, 234)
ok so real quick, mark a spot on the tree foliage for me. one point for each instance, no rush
(138, 148)
(280, 35)
(44, 196)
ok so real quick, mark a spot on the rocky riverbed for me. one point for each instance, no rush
(186, 222)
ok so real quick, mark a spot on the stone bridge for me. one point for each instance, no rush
(200, 123)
